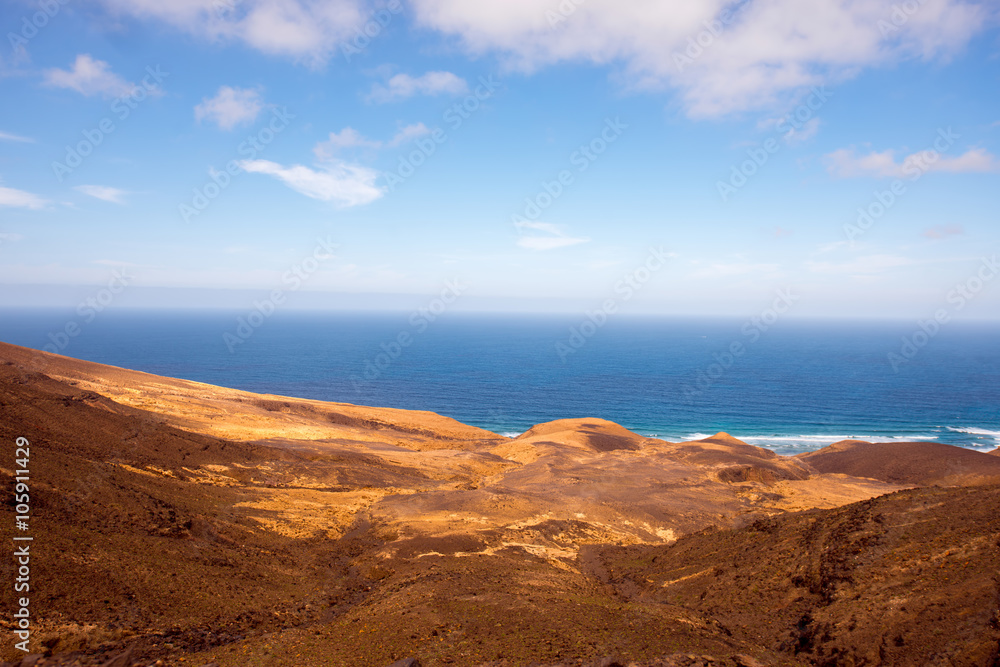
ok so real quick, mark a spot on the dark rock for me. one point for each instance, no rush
(406, 662)
(120, 660)
(30, 660)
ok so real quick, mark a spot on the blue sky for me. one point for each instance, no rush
(741, 139)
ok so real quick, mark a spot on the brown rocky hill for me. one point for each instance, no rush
(905, 463)
(909, 578)
(196, 523)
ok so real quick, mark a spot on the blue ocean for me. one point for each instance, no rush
(794, 386)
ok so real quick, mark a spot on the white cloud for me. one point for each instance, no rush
(804, 133)
(336, 181)
(351, 138)
(402, 86)
(113, 195)
(943, 231)
(408, 133)
(553, 236)
(346, 138)
(89, 77)
(847, 163)
(6, 136)
(831, 247)
(734, 268)
(230, 107)
(860, 266)
(310, 30)
(20, 199)
(769, 51)
(114, 262)
(971, 161)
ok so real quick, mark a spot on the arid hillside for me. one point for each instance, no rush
(191, 524)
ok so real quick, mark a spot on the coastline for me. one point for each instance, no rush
(217, 525)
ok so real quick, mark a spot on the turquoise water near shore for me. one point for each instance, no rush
(796, 386)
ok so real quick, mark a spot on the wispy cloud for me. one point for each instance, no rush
(230, 107)
(346, 138)
(336, 181)
(88, 76)
(859, 266)
(306, 30)
(351, 138)
(804, 133)
(408, 133)
(943, 231)
(734, 268)
(102, 192)
(552, 237)
(6, 136)
(847, 163)
(20, 199)
(402, 86)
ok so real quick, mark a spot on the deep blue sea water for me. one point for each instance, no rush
(799, 386)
